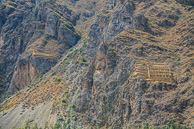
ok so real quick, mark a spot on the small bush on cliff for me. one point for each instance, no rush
(9, 96)
(82, 53)
(184, 127)
(84, 63)
(74, 53)
(64, 100)
(73, 115)
(146, 126)
(83, 59)
(68, 121)
(46, 125)
(57, 125)
(79, 96)
(53, 73)
(73, 105)
(58, 79)
(85, 45)
(27, 125)
(35, 126)
(40, 78)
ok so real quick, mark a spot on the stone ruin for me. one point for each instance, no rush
(153, 71)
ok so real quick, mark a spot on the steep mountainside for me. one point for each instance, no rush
(34, 34)
(105, 63)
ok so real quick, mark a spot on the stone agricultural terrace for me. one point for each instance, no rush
(152, 71)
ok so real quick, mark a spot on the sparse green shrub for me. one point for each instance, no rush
(66, 91)
(9, 96)
(91, 127)
(83, 59)
(168, 125)
(68, 121)
(68, 127)
(85, 41)
(73, 105)
(146, 126)
(64, 125)
(152, 127)
(53, 73)
(64, 100)
(67, 62)
(46, 125)
(74, 53)
(76, 62)
(36, 85)
(41, 75)
(35, 126)
(84, 63)
(73, 115)
(184, 127)
(57, 125)
(82, 53)
(58, 79)
(85, 44)
(19, 92)
(64, 104)
(40, 78)
(27, 124)
(79, 96)
(177, 127)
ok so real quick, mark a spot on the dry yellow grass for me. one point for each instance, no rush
(43, 54)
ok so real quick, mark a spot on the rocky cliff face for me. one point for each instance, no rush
(134, 63)
(33, 36)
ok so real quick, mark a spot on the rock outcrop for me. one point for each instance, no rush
(34, 35)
